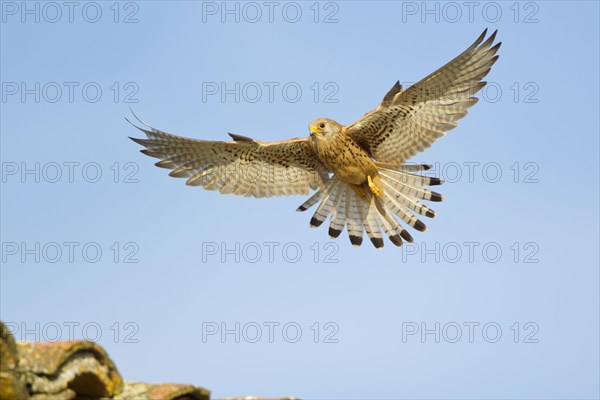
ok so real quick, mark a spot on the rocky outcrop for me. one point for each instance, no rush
(77, 370)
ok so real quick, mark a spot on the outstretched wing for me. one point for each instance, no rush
(245, 167)
(407, 122)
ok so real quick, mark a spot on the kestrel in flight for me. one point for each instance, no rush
(360, 170)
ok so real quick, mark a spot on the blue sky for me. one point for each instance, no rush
(498, 299)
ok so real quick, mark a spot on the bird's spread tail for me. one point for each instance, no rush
(400, 201)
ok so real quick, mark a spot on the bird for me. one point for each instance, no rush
(360, 172)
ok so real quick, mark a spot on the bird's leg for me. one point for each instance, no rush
(375, 185)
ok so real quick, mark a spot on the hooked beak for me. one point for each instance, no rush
(313, 130)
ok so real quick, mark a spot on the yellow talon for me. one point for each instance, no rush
(374, 187)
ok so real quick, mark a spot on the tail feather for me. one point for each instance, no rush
(353, 219)
(372, 224)
(414, 205)
(325, 208)
(314, 199)
(338, 218)
(414, 191)
(404, 167)
(411, 179)
(391, 227)
(397, 229)
(359, 213)
(405, 215)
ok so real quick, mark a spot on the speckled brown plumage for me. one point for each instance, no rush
(370, 188)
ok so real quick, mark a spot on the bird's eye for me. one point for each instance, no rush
(321, 125)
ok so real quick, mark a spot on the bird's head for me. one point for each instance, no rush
(324, 129)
